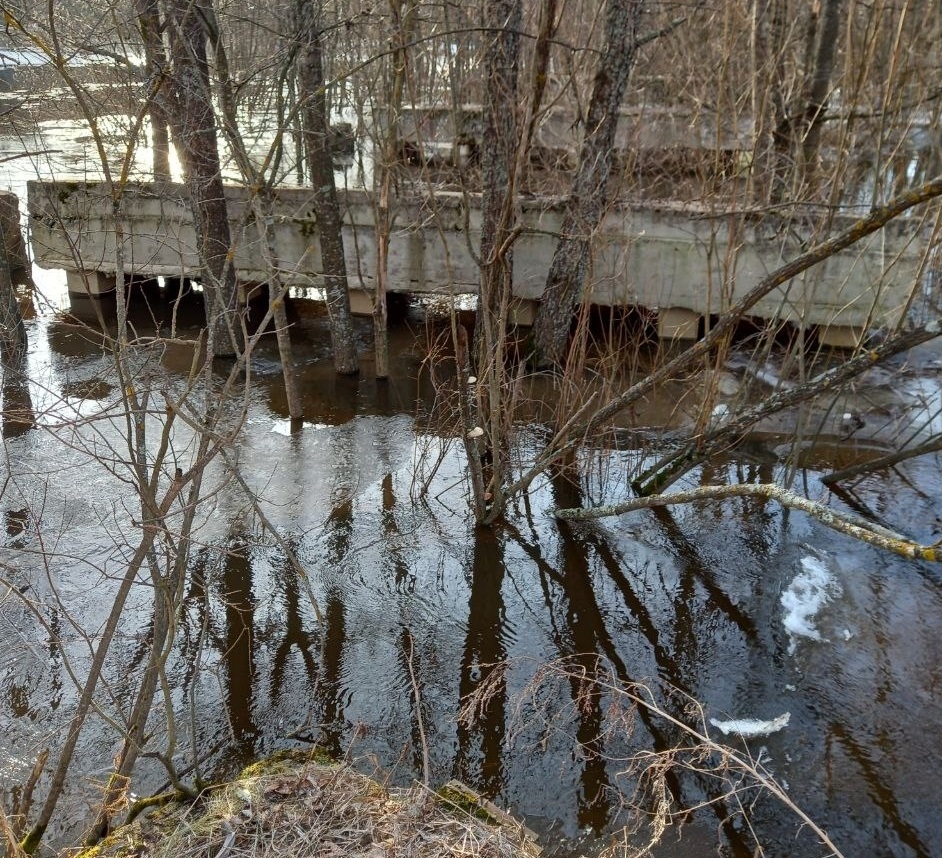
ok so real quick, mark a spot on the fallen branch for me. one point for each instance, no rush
(934, 445)
(699, 448)
(878, 218)
(860, 229)
(842, 522)
(33, 154)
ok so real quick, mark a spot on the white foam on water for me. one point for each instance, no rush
(809, 591)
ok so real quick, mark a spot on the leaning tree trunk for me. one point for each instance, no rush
(585, 206)
(194, 128)
(313, 96)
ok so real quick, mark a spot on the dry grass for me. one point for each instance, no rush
(297, 807)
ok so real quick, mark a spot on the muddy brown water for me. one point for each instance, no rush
(417, 603)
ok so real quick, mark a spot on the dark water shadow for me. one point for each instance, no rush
(479, 757)
(839, 738)
(292, 634)
(17, 416)
(581, 638)
(239, 648)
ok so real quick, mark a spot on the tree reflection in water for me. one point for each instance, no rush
(479, 756)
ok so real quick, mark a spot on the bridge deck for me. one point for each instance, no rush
(678, 260)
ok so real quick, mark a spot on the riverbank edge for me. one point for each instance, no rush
(324, 807)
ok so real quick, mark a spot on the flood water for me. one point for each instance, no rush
(746, 608)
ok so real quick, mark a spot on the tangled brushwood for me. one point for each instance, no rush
(296, 804)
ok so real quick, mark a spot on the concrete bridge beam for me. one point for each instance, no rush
(690, 261)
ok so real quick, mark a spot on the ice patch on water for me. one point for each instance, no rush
(809, 591)
(287, 428)
(749, 728)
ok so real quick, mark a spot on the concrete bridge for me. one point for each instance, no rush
(444, 132)
(682, 262)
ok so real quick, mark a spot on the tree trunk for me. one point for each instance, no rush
(498, 159)
(380, 309)
(819, 82)
(539, 75)
(194, 129)
(771, 168)
(276, 301)
(12, 329)
(313, 97)
(148, 19)
(168, 586)
(585, 206)
(403, 14)
(16, 415)
(498, 155)
(136, 738)
(796, 126)
(263, 208)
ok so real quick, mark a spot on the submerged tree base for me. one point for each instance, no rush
(301, 804)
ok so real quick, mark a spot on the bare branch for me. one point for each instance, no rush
(845, 523)
(666, 471)
(933, 445)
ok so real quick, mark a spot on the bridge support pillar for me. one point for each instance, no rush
(678, 323)
(522, 311)
(840, 336)
(91, 283)
(361, 302)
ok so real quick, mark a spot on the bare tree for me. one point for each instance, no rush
(12, 331)
(798, 119)
(190, 112)
(171, 488)
(148, 19)
(312, 94)
(589, 196)
(403, 19)
(499, 160)
(260, 179)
